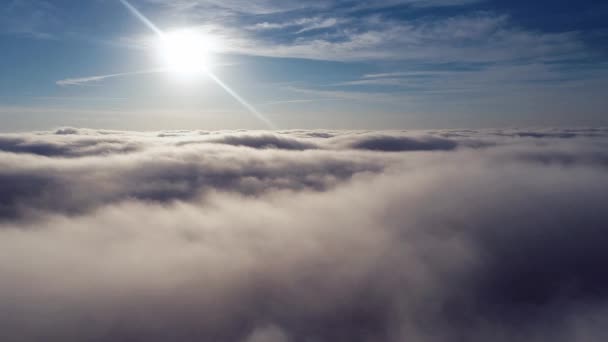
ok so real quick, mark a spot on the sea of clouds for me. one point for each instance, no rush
(304, 236)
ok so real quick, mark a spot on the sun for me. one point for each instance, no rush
(187, 52)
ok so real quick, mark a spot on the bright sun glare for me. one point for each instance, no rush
(186, 52)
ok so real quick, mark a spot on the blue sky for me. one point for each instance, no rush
(308, 64)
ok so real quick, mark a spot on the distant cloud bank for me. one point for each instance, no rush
(304, 235)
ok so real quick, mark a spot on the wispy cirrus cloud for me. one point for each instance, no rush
(302, 25)
(478, 37)
(468, 35)
(261, 7)
(507, 57)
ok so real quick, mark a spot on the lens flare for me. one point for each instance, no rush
(189, 53)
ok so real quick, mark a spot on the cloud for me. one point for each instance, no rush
(83, 80)
(469, 37)
(64, 147)
(394, 144)
(372, 32)
(273, 7)
(303, 24)
(192, 236)
(429, 60)
(263, 141)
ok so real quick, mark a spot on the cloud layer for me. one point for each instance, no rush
(304, 235)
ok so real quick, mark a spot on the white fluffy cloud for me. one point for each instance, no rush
(304, 236)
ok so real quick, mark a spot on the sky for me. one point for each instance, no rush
(306, 64)
(303, 171)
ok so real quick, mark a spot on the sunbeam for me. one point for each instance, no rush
(141, 17)
(242, 101)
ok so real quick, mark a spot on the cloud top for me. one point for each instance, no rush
(304, 235)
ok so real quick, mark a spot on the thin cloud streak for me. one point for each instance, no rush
(91, 79)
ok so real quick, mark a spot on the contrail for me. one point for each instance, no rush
(83, 80)
(223, 85)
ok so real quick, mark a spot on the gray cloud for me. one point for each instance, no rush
(220, 236)
(263, 141)
(394, 144)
